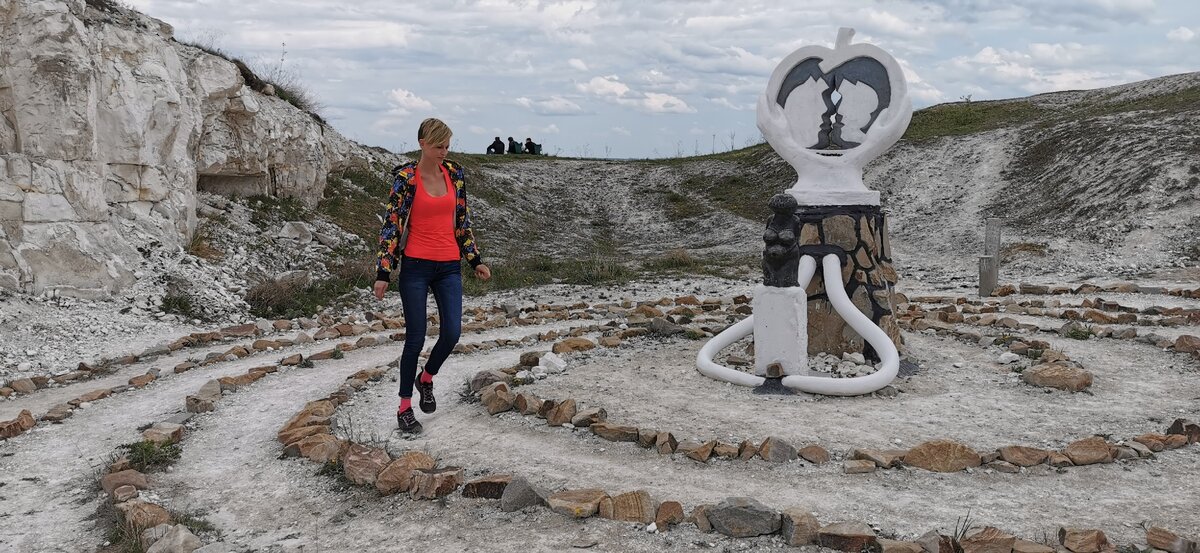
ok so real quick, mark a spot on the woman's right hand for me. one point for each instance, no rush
(380, 288)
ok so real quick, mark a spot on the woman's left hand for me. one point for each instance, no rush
(482, 272)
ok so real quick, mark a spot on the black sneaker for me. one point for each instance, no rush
(407, 420)
(427, 402)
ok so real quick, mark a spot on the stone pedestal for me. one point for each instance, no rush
(859, 234)
(780, 331)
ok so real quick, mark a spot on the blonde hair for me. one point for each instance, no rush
(434, 131)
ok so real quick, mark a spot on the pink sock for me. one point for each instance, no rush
(405, 404)
(426, 378)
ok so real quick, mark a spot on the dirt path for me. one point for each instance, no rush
(48, 496)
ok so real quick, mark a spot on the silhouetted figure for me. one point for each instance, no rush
(514, 147)
(496, 147)
(781, 258)
(531, 147)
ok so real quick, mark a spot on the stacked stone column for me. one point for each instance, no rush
(867, 275)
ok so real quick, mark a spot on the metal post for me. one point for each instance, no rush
(989, 262)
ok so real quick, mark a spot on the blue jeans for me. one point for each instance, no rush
(417, 278)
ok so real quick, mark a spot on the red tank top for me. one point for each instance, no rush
(431, 223)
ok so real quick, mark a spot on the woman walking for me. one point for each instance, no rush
(428, 231)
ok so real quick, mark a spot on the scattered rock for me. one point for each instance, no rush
(1161, 538)
(885, 459)
(1187, 428)
(488, 487)
(615, 433)
(696, 450)
(663, 327)
(124, 493)
(988, 540)
(852, 537)
(933, 542)
(666, 443)
(23, 386)
(397, 476)
(435, 483)
(496, 398)
(141, 515)
(164, 433)
(58, 413)
(646, 437)
(861, 466)
(110, 482)
(177, 540)
(319, 448)
(483, 379)
(799, 527)
(777, 450)
(588, 417)
(1058, 374)
(1187, 344)
(814, 454)
(1025, 546)
(576, 503)
(636, 506)
(699, 517)
(670, 513)
(1089, 451)
(1082, 541)
(206, 399)
(942, 456)
(362, 464)
(519, 494)
(527, 404)
(572, 345)
(531, 358)
(561, 413)
(744, 517)
(1022, 456)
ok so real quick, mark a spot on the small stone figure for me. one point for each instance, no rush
(781, 258)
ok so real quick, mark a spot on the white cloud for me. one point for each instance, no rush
(405, 101)
(622, 131)
(612, 89)
(476, 129)
(577, 64)
(1064, 54)
(1182, 34)
(610, 86)
(550, 129)
(555, 105)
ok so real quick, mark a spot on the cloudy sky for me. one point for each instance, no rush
(660, 78)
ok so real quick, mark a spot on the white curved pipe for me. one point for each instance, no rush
(741, 329)
(889, 357)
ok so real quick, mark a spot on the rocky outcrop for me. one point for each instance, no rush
(108, 127)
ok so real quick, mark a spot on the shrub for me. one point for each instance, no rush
(147, 456)
(300, 297)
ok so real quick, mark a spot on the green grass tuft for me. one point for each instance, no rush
(147, 456)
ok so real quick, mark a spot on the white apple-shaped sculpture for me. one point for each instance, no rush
(829, 112)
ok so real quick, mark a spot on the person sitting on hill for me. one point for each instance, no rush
(531, 147)
(496, 147)
(514, 147)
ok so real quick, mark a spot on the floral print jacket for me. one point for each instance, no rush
(393, 235)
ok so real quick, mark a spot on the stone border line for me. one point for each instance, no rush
(1090, 288)
(638, 323)
(106, 366)
(156, 528)
(57, 414)
(941, 455)
(328, 327)
(308, 435)
(1054, 369)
